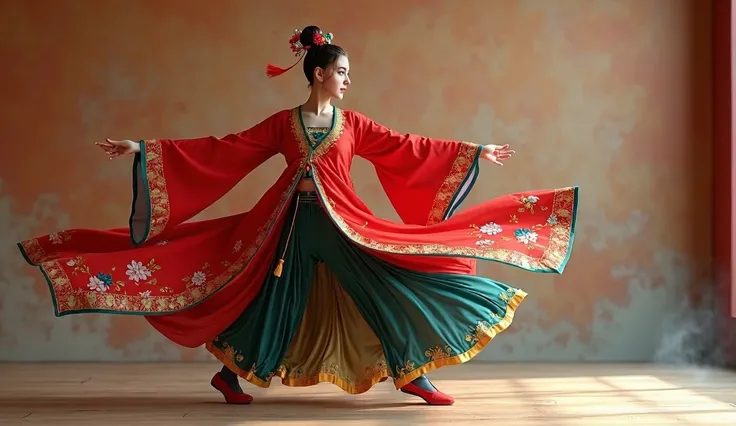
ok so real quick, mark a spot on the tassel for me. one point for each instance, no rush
(279, 268)
(274, 71)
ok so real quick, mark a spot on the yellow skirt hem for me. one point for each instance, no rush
(365, 385)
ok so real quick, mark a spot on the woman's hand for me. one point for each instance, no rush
(115, 148)
(497, 153)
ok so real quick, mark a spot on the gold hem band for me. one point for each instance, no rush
(492, 332)
(366, 385)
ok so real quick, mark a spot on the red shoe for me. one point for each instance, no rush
(431, 398)
(231, 396)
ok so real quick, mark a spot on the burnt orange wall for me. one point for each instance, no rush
(611, 95)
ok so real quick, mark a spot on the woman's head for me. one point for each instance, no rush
(326, 65)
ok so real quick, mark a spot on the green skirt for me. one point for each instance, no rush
(338, 314)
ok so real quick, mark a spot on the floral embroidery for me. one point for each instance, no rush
(354, 382)
(138, 272)
(549, 255)
(59, 237)
(525, 236)
(491, 228)
(96, 284)
(78, 266)
(199, 278)
(437, 353)
(237, 246)
(481, 329)
(331, 368)
(73, 295)
(102, 282)
(478, 337)
(407, 368)
(379, 368)
(528, 202)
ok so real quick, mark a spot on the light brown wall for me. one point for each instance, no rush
(610, 95)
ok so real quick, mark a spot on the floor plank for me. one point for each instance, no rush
(508, 394)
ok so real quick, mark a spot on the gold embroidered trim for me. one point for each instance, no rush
(460, 168)
(552, 259)
(69, 299)
(327, 374)
(157, 192)
(297, 131)
(438, 357)
(483, 334)
(33, 250)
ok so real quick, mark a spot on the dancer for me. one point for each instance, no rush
(309, 286)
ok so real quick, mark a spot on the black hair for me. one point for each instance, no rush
(320, 56)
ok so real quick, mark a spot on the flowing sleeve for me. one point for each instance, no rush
(173, 180)
(425, 179)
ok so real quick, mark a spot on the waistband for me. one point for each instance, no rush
(307, 196)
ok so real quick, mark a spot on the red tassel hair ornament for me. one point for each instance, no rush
(299, 50)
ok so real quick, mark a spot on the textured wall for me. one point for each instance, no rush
(611, 95)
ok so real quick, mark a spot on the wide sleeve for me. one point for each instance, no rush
(173, 180)
(425, 179)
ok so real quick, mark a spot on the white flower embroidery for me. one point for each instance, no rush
(146, 293)
(96, 284)
(532, 199)
(199, 278)
(71, 263)
(137, 271)
(162, 243)
(238, 245)
(552, 219)
(55, 238)
(526, 237)
(483, 243)
(491, 228)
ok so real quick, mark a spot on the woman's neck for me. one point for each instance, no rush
(317, 103)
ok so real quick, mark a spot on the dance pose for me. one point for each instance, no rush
(309, 286)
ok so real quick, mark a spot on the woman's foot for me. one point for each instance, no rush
(424, 389)
(226, 382)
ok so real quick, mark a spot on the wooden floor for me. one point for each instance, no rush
(505, 394)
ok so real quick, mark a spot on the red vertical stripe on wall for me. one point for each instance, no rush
(724, 256)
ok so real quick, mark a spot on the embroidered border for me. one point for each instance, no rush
(482, 335)
(158, 196)
(68, 300)
(375, 374)
(479, 336)
(463, 164)
(553, 259)
(297, 131)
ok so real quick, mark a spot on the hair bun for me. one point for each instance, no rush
(307, 36)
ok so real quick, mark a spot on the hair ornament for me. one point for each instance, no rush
(298, 49)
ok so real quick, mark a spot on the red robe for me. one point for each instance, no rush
(191, 280)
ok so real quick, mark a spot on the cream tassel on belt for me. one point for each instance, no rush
(280, 267)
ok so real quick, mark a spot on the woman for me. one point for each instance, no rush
(309, 285)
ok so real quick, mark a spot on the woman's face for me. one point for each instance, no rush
(335, 79)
